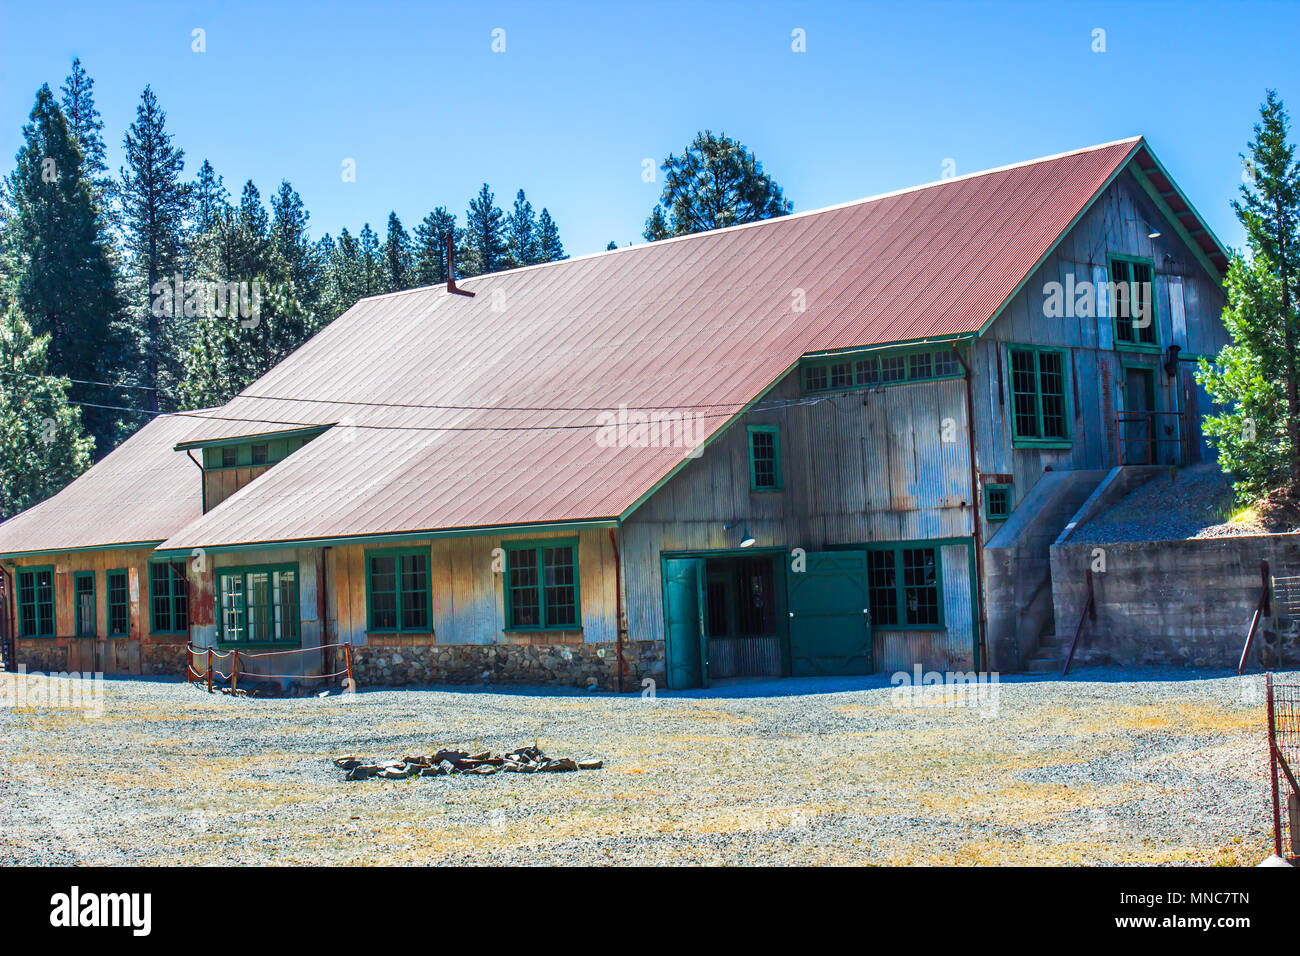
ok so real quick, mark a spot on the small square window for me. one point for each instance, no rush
(228, 457)
(918, 366)
(893, 368)
(259, 454)
(841, 375)
(997, 502)
(946, 364)
(814, 378)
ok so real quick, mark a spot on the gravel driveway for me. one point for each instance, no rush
(1105, 767)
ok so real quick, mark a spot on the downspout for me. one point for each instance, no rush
(983, 662)
(203, 480)
(9, 624)
(323, 609)
(618, 604)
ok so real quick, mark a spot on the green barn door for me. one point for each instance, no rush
(830, 633)
(688, 645)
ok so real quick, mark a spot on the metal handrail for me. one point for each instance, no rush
(1090, 612)
(1138, 415)
(1262, 609)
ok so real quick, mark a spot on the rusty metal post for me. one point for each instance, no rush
(234, 672)
(1272, 766)
(1267, 585)
(209, 670)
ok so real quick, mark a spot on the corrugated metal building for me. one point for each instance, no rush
(777, 448)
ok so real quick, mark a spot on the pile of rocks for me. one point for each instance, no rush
(448, 762)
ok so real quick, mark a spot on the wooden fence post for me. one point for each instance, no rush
(234, 673)
(209, 670)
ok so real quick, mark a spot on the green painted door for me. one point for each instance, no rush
(687, 644)
(830, 630)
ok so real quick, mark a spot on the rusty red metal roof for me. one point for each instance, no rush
(139, 494)
(460, 412)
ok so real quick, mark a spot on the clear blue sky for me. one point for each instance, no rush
(584, 91)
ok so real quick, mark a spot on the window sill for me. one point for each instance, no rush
(1041, 443)
(574, 628)
(1132, 347)
(259, 645)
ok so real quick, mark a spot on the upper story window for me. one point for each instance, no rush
(259, 454)
(1039, 409)
(397, 589)
(1132, 301)
(36, 602)
(893, 367)
(169, 597)
(764, 458)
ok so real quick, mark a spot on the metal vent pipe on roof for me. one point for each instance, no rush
(451, 266)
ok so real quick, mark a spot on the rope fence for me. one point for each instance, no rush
(212, 655)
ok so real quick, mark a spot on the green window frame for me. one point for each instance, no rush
(397, 590)
(83, 600)
(905, 586)
(764, 458)
(1132, 274)
(169, 598)
(1040, 396)
(36, 601)
(259, 606)
(117, 586)
(878, 369)
(997, 501)
(542, 591)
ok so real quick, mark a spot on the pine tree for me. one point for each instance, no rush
(485, 239)
(154, 206)
(371, 273)
(431, 246)
(210, 199)
(656, 227)
(398, 266)
(42, 444)
(715, 183)
(251, 239)
(296, 257)
(86, 126)
(549, 247)
(521, 233)
(62, 269)
(1254, 379)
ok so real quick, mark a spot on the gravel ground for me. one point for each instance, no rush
(1105, 767)
(1189, 503)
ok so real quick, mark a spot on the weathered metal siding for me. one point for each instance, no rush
(466, 590)
(856, 467)
(1189, 305)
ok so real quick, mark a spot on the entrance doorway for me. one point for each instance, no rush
(1139, 427)
(762, 614)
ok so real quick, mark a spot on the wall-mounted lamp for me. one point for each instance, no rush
(1153, 234)
(746, 539)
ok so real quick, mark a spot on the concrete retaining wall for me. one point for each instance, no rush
(1174, 602)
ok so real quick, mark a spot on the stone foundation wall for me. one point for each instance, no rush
(161, 660)
(41, 654)
(565, 665)
(55, 655)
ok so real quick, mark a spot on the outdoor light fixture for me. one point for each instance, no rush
(1153, 234)
(746, 539)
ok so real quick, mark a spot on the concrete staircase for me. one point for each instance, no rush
(1048, 657)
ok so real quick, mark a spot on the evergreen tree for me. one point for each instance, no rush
(715, 183)
(42, 445)
(549, 247)
(521, 233)
(87, 127)
(656, 227)
(1254, 378)
(485, 239)
(296, 257)
(612, 246)
(210, 199)
(431, 246)
(154, 206)
(371, 273)
(399, 269)
(62, 269)
(252, 238)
